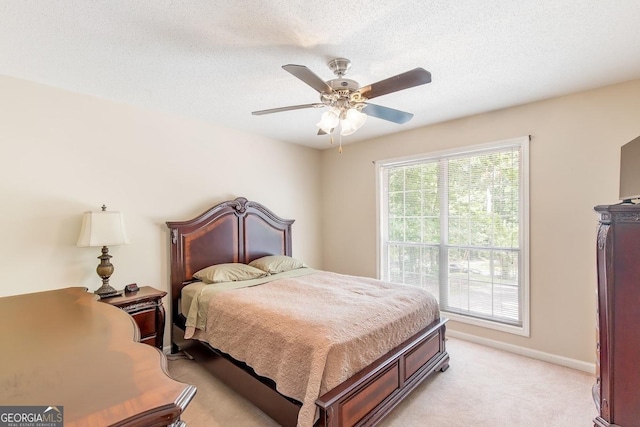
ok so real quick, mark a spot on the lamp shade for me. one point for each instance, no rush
(352, 121)
(329, 120)
(356, 117)
(104, 228)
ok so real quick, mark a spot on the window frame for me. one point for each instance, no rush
(523, 143)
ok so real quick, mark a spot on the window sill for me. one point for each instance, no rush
(510, 329)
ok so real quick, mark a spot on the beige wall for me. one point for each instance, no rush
(64, 153)
(574, 162)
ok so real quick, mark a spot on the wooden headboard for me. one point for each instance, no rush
(233, 231)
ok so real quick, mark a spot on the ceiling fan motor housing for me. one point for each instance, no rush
(341, 84)
(344, 95)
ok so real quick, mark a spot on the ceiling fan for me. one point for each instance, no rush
(347, 100)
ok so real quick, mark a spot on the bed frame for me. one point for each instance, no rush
(241, 231)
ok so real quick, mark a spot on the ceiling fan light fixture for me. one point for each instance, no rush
(353, 120)
(356, 117)
(346, 128)
(329, 120)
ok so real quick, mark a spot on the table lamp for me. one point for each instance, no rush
(104, 228)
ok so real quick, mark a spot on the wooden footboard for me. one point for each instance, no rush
(364, 399)
(373, 392)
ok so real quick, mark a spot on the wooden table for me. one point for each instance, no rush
(64, 348)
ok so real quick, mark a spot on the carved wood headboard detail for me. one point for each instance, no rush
(233, 231)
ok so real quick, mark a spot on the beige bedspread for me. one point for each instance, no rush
(195, 297)
(313, 332)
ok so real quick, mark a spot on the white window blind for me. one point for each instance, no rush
(455, 224)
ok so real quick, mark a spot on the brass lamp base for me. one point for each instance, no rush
(107, 292)
(105, 270)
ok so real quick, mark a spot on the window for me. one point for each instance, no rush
(456, 224)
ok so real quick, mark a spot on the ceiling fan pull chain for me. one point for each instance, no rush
(340, 148)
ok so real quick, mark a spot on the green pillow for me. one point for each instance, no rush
(231, 272)
(274, 264)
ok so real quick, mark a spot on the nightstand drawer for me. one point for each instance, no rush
(145, 306)
(146, 321)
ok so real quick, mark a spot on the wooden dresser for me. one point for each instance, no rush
(64, 348)
(616, 391)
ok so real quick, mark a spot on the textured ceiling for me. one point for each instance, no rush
(219, 60)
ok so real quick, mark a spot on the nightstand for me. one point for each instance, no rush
(145, 306)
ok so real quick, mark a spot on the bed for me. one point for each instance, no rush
(241, 231)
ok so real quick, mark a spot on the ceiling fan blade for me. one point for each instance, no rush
(309, 77)
(292, 107)
(386, 113)
(415, 77)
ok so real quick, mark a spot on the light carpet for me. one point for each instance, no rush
(483, 386)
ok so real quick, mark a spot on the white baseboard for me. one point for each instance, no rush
(524, 351)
